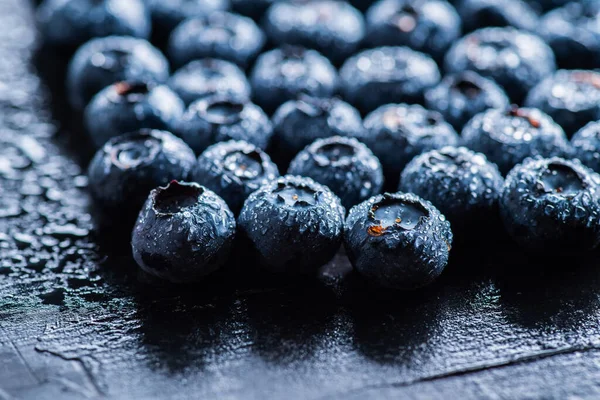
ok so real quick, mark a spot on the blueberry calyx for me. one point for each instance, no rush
(560, 179)
(222, 111)
(335, 154)
(294, 195)
(395, 213)
(433, 118)
(132, 92)
(245, 165)
(515, 111)
(132, 153)
(176, 197)
(313, 106)
(405, 18)
(467, 86)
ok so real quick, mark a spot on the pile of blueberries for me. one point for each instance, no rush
(464, 112)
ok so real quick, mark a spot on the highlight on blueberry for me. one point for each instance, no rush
(397, 240)
(183, 233)
(129, 106)
(233, 170)
(293, 224)
(344, 165)
(552, 205)
(220, 118)
(509, 136)
(128, 167)
(586, 145)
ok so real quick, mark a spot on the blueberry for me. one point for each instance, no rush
(293, 224)
(332, 27)
(571, 98)
(586, 145)
(104, 61)
(183, 233)
(396, 133)
(70, 23)
(483, 13)
(297, 123)
(233, 170)
(517, 61)
(345, 165)
(552, 206)
(429, 26)
(397, 240)
(282, 74)
(509, 136)
(220, 118)
(462, 184)
(166, 15)
(219, 35)
(129, 106)
(387, 75)
(460, 96)
(128, 167)
(209, 76)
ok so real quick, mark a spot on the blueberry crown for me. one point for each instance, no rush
(393, 213)
(130, 151)
(560, 179)
(176, 197)
(293, 194)
(244, 164)
(221, 110)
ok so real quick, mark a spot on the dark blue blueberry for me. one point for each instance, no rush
(129, 106)
(516, 60)
(128, 167)
(70, 23)
(573, 32)
(396, 133)
(332, 27)
(462, 184)
(254, 9)
(104, 61)
(293, 224)
(586, 145)
(283, 74)
(398, 240)
(387, 75)
(509, 136)
(483, 13)
(219, 35)
(183, 233)
(233, 170)
(429, 26)
(459, 97)
(344, 165)
(552, 206)
(297, 123)
(571, 98)
(167, 14)
(203, 78)
(220, 118)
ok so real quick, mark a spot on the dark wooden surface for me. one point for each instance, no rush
(76, 320)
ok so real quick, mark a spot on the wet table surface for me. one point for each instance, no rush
(77, 320)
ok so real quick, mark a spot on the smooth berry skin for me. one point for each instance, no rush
(478, 14)
(293, 225)
(104, 61)
(220, 118)
(221, 35)
(507, 137)
(166, 15)
(570, 97)
(395, 249)
(427, 26)
(462, 184)
(396, 133)
(552, 206)
(461, 96)
(128, 167)
(586, 145)
(70, 23)
(183, 233)
(344, 165)
(207, 77)
(332, 27)
(516, 60)
(234, 170)
(573, 33)
(298, 123)
(130, 106)
(285, 73)
(386, 75)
